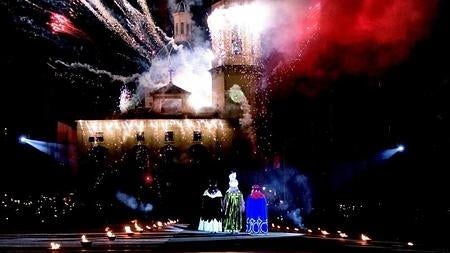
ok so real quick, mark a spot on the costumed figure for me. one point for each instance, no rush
(233, 205)
(211, 210)
(256, 212)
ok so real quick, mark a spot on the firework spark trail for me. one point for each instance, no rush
(228, 21)
(133, 35)
(125, 100)
(149, 19)
(136, 23)
(58, 21)
(139, 31)
(123, 79)
(102, 14)
(61, 24)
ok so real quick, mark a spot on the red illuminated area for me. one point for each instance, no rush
(360, 36)
(61, 24)
(148, 179)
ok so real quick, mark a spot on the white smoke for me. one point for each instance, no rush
(290, 21)
(295, 192)
(296, 217)
(190, 72)
(133, 203)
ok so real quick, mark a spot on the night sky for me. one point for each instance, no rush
(328, 127)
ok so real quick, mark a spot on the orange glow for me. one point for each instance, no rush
(136, 226)
(128, 230)
(365, 237)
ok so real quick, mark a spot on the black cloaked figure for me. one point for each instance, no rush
(211, 209)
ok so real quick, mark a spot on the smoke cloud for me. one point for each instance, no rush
(289, 193)
(190, 72)
(333, 37)
(133, 203)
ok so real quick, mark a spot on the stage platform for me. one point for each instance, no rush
(178, 238)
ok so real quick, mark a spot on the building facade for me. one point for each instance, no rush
(171, 150)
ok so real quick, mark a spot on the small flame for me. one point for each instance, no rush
(137, 227)
(410, 244)
(128, 230)
(309, 231)
(365, 237)
(84, 239)
(110, 234)
(343, 235)
(324, 232)
(54, 245)
(159, 223)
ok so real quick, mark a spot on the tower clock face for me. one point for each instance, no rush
(236, 95)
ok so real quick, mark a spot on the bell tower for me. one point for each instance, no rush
(237, 50)
(182, 21)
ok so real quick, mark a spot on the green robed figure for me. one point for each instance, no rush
(233, 206)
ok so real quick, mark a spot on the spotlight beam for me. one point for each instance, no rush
(390, 152)
(56, 150)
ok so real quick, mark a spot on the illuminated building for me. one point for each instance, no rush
(170, 146)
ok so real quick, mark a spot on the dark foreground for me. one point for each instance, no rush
(179, 239)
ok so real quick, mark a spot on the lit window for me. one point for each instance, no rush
(168, 136)
(197, 136)
(236, 42)
(140, 136)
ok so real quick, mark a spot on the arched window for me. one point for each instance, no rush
(236, 42)
(199, 154)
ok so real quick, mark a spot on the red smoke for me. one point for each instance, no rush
(354, 37)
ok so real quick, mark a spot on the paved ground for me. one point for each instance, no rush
(179, 239)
